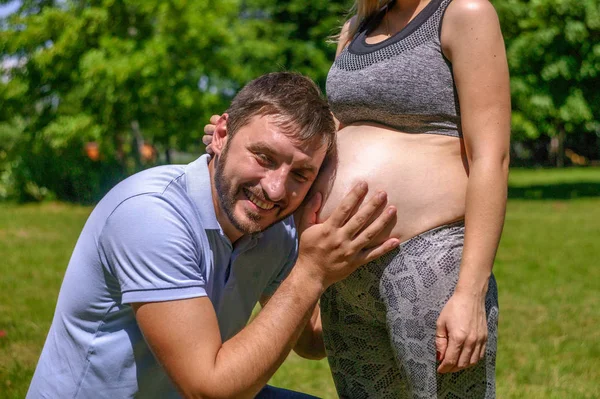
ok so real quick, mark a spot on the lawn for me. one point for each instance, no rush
(547, 271)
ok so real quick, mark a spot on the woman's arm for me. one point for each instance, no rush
(344, 39)
(472, 41)
(209, 131)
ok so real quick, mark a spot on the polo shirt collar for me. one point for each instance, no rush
(199, 188)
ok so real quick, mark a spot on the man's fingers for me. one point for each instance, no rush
(375, 229)
(365, 216)
(375, 252)
(214, 119)
(348, 205)
(310, 211)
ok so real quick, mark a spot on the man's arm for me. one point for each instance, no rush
(310, 344)
(184, 335)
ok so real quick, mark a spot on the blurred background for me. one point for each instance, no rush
(93, 91)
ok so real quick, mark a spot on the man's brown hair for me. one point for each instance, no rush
(295, 101)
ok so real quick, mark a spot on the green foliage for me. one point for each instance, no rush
(554, 58)
(289, 35)
(10, 133)
(122, 73)
(112, 72)
(119, 74)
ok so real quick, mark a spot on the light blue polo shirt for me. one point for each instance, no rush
(154, 237)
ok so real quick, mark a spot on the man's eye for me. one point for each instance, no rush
(300, 177)
(264, 160)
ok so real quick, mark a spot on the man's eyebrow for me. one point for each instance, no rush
(308, 168)
(261, 146)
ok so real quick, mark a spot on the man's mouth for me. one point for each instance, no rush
(266, 206)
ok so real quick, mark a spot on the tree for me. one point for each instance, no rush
(87, 83)
(290, 35)
(112, 72)
(554, 58)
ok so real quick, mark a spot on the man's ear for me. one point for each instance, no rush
(220, 136)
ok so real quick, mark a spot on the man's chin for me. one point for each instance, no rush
(247, 224)
(248, 228)
(251, 223)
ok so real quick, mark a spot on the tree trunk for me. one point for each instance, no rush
(560, 155)
(138, 141)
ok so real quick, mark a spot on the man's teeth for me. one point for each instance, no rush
(256, 201)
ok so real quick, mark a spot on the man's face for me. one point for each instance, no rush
(262, 176)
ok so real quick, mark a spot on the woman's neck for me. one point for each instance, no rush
(402, 12)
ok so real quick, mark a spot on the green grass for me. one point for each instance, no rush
(35, 245)
(547, 271)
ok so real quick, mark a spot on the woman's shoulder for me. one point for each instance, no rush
(461, 11)
(467, 20)
(344, 36)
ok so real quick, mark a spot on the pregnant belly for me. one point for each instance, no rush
(424, 176)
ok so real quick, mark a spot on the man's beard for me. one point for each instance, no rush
(227, 195)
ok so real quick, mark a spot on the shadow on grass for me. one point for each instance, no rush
(560, 191)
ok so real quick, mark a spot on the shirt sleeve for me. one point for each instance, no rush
(290, 259)
(152, 251)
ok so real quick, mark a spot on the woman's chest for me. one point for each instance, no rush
(409, 90)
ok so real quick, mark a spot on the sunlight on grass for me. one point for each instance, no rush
(547, 272)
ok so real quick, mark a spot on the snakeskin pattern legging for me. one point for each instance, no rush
(379, 324)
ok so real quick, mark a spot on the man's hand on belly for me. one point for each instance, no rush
(332, 250)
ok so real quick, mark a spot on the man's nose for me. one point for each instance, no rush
(274, 184)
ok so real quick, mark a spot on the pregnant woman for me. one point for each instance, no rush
(421, 91)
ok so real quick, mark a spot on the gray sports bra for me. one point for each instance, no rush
(404, 82)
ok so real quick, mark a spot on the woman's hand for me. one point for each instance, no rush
(461, 332)
(209, 130)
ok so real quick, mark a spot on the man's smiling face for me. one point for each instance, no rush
(262, 176)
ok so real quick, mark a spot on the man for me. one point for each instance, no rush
(172, 261)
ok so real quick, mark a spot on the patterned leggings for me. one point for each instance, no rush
(379, 324)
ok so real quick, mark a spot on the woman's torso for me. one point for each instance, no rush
(398, 102)
(424, 175)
